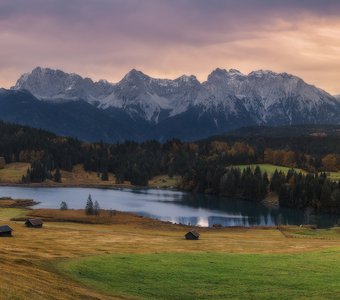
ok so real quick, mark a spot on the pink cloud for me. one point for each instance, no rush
(105, 39)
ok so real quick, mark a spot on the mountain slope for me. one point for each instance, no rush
(141, 107)
(77, 118)
(54, 85)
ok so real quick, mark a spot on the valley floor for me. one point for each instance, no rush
(123, 256)
(12, 175)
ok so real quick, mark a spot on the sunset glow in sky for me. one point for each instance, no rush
(168, 38)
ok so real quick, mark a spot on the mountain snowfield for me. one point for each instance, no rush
(187, 108)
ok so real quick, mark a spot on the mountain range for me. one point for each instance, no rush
(140, 107)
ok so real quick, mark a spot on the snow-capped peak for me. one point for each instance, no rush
(135, 75)
(265, 96)
(49, 84)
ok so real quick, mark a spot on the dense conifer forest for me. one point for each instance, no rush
(205, 166)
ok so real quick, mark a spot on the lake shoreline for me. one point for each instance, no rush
(107, 217)
(8, 202)
(93, 186)
(193, 209)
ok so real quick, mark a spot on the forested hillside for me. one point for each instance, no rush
(205, 166)
(25, 144)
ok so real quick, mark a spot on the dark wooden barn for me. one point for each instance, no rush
(192, 235)
(5, 230)
(36, 223)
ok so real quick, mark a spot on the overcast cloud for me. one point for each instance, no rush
(107, 38)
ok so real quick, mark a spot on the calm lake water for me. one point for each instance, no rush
(173, 206)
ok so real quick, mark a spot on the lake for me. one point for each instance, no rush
(173, 206)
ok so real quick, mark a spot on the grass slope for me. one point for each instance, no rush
(164, 182)
(9, 213)
(269, 168)
(333, 176)
(12, 173)
(212, 275)
(29, 258)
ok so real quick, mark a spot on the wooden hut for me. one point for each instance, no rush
(35, 223)
(192, 235)
(5, 230)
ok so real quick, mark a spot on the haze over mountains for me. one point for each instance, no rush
(140, 107)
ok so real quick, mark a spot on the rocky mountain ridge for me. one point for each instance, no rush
(187, 108)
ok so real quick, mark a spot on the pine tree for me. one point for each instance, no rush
(57, 175)
(89, 206)
(96, 208)
(63, 206)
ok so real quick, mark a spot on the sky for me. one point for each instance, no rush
(104, 39)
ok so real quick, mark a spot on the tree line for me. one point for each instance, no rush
(203, 165)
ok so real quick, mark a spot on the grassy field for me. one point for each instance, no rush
(9, 213)
(45, 262)
(12, 173)
(79, 176)
(123, 256)
(270, 169)
(164, 181)
(296, 232)
(212, 275)
(333, 175)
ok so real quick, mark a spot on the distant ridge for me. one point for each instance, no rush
(140, 107)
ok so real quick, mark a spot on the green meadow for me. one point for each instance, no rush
(8, 213)
(333, 175)
(211, 275)
(269, 168)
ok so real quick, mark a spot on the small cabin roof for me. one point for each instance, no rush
(194, 233)
(34, 222)
(5, 228)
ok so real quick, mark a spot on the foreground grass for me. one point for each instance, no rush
(9, 213)
(29, 258)
(212, 275)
